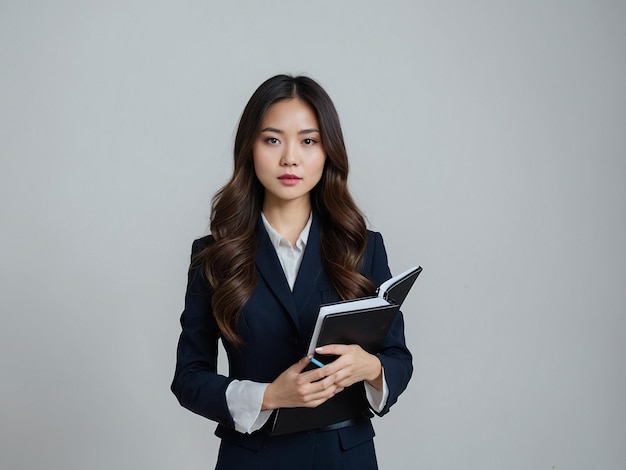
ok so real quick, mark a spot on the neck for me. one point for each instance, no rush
(288, 219)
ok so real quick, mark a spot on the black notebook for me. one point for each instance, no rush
(365, 322)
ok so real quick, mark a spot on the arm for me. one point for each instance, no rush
(251, 403)
(196, 383)
(199, 388)
(393, 363)
(395, 357)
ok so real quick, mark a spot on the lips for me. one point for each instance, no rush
(289, 176)
(289, 179)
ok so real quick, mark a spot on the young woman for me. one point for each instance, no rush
(286, 237)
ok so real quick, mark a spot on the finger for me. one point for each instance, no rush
(321, 387)
(301, 364)
(314, 403)
(329, 382)
(316, 374)
(346, 382)
(339, 364)
(332, 349)
(322, 394)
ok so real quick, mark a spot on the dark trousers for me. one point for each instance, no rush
(323, 450)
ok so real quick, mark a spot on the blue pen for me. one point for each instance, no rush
(316, 362)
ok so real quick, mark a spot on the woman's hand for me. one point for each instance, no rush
(353, 365)
(294, 388)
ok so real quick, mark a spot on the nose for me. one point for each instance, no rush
(290, 156)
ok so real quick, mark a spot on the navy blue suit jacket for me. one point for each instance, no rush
(275, 325)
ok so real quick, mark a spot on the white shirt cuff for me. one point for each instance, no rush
(377, 398)
(244, 399)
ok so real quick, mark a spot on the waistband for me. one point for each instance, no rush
(342, 424)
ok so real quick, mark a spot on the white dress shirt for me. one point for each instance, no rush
(245, 397)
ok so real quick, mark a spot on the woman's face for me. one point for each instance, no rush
(288, 154)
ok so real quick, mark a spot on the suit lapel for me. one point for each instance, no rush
(311, 270)
(269, 267)
(310, 274)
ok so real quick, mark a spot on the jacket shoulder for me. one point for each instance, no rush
(375, 260)
(201, 243)
(374, 243)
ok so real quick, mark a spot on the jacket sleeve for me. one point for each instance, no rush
(394, 356)
(196, 384)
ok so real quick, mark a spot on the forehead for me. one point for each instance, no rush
(290, 113)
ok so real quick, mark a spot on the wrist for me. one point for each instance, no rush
(268, 399)
(375, 376)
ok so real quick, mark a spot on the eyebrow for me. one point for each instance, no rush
(303, 131)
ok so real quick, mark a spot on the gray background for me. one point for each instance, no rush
(487, 142)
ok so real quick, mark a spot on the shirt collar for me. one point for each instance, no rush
(276, 238)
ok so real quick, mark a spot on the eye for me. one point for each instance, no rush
(308, 141)
(272, 140)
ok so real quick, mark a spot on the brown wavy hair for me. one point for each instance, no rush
(229, 262)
